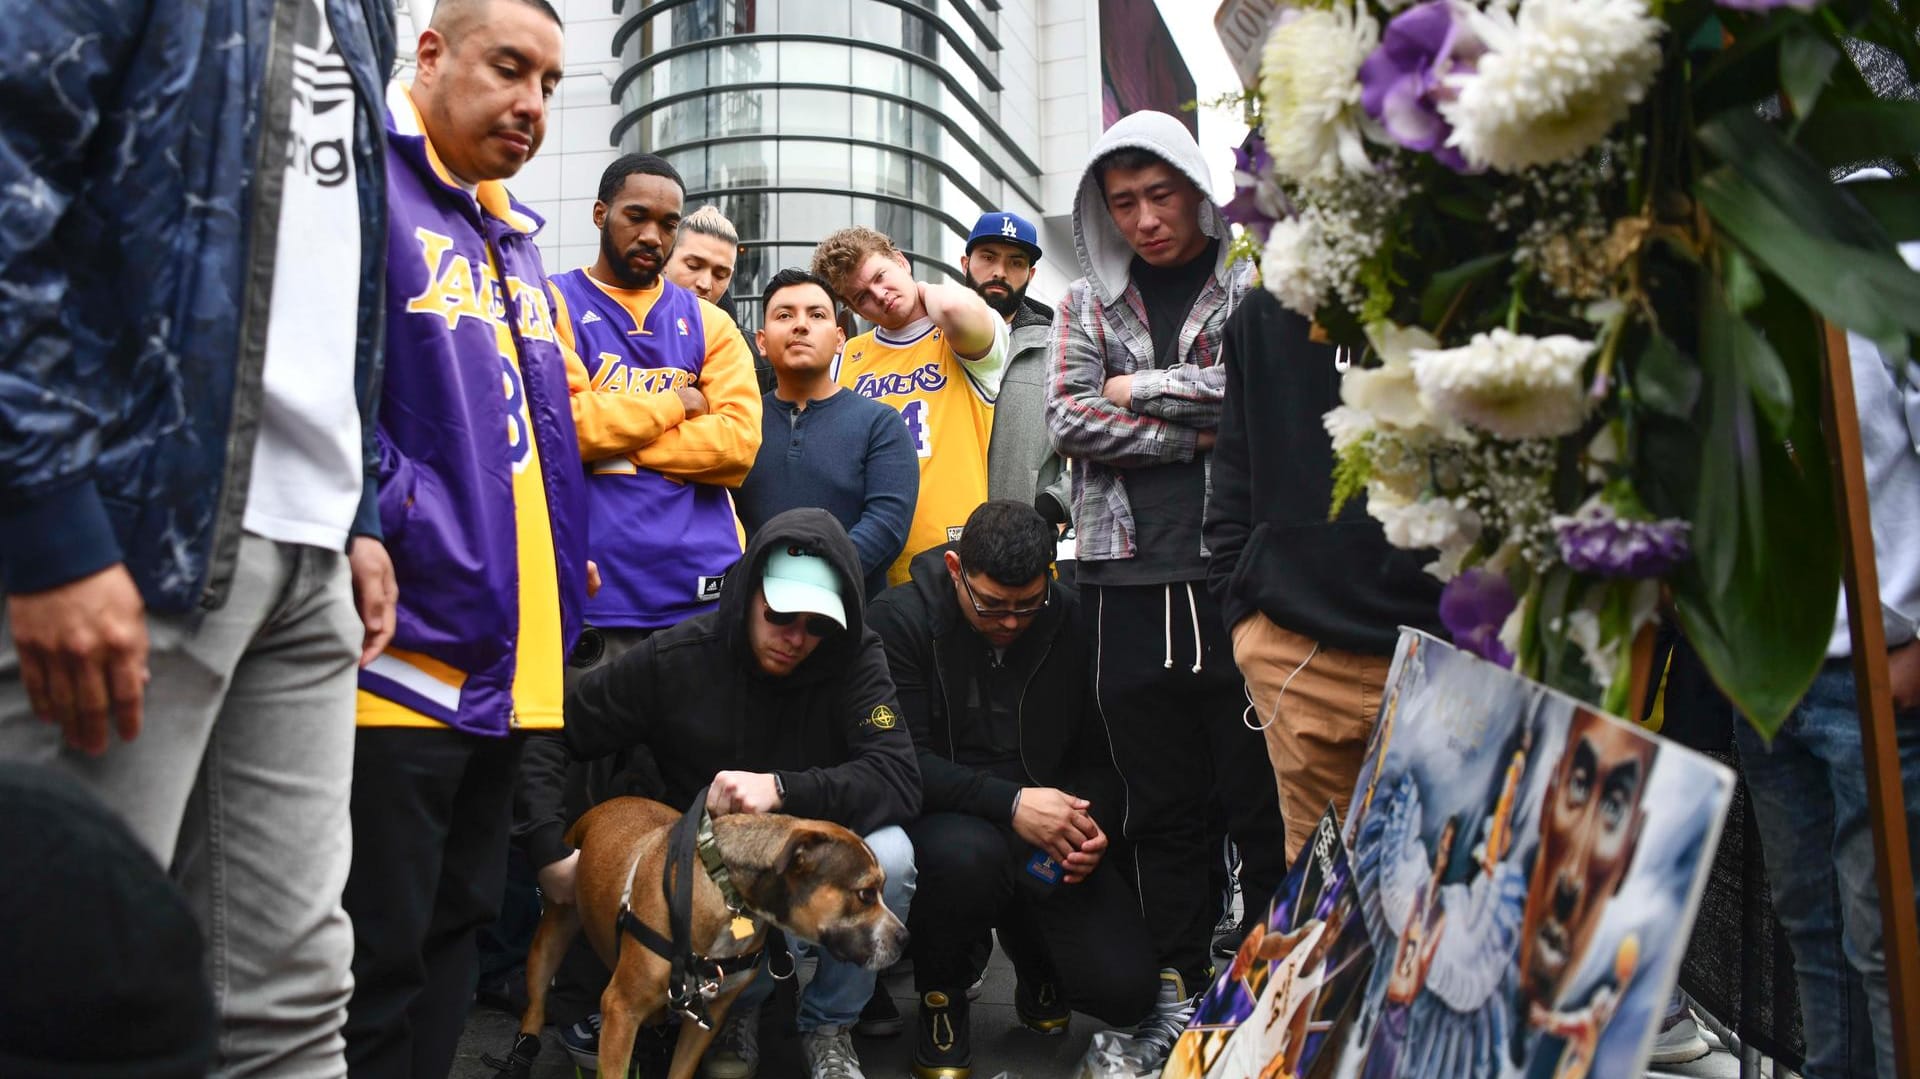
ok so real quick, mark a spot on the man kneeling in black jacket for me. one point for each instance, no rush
(993, 676)
(779, 698)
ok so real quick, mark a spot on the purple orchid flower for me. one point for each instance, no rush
(1473, 607)
(1599, 542)
(1403, 82)
(1251, 164)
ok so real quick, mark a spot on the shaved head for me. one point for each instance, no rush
(454, 17)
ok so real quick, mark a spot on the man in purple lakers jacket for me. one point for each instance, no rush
(482, 502)
(666, 408)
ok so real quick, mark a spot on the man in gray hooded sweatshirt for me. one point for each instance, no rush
(1134, 387)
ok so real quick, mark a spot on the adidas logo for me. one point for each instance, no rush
(590, 316)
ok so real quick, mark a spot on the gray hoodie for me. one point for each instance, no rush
(1100, 330)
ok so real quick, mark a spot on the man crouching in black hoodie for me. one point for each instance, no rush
(995, 685)
(780, 700)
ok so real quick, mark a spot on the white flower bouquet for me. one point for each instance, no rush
(1584, 249)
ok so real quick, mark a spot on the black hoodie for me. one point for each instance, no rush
(1338, 582)
(697, 698)
(936, 655)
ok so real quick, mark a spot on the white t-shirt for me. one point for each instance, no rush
(307, 469)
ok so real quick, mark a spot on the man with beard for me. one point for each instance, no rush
(835, 451)
(1590, 823)
(1021, 463)
(666, 410)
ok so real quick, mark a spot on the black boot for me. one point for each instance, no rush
(945, 1047)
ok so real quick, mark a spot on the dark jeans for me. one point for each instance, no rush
(1809, 794)
(431, 809)
(1178, 740)
(1087, 937)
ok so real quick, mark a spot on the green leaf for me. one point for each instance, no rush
(1758, 603)
(1666, 380)
(1806, 64)
(1785, 176)
(1841, 133)
(1894, 203)
(1445, 285)
(1758, 364)
(1868, 291)
(1742, 282)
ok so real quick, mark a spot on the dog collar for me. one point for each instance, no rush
(709, 850)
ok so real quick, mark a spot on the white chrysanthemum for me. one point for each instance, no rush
(1510, 385)
(1428, 523)
(1556, 78)
(1310, 91)
(1387, 392)
(1347, 427)
(1287, 266)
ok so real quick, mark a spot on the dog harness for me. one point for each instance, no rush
(695, 978)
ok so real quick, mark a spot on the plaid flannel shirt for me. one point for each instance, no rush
(1171, 406)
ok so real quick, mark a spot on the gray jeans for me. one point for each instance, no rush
(239, 780)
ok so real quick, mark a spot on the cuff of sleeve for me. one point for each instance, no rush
(802, 793)
(366, 519)
(999, 798)
(1049, 508)
(1146, 386)
(546, 845)
(55, 538)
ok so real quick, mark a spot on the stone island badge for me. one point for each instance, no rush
(883, 718)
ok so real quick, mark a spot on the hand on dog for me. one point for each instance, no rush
(557, 879)
(742, 792)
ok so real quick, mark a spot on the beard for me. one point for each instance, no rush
(627, 276)
(1003, 304)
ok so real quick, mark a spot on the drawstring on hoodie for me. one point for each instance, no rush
(1166, 625)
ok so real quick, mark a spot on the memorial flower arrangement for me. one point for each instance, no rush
(1578, 253)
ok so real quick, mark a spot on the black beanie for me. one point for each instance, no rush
(101, 968)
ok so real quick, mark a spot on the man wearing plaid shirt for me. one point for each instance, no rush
(1134, 388)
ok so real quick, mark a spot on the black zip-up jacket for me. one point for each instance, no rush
(695, 696)
(1338, 582)
(932, 651)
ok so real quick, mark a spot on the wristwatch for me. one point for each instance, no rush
(780, 788)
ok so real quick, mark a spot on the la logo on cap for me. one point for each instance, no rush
(1007, 227)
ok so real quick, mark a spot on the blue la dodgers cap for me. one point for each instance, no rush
(1007, 228)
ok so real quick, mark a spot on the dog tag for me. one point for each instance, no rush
(742, 927)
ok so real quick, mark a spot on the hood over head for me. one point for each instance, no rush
(813, 531)
(1104, 252)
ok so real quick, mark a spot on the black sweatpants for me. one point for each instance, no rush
(1174, 718)
(1086, 937)
(431, 810)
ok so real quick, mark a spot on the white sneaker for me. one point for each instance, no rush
(830, 1055)
(735, 1050)
(1679, 1040)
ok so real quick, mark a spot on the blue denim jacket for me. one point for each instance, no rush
(139, 207)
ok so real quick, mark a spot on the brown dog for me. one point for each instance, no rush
(814, 880)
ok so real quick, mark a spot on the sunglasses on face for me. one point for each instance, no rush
(995, 613)
(816, 625)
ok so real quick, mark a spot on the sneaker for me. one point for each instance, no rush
(945, 1048)
(881, 1017)
(1679, 1040)
(1153, 1039)
(735, 1050)
(830, 1055)
(1039, 1007)
(582, 1040)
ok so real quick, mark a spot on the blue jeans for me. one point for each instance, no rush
(1809, 795)
(839, 990)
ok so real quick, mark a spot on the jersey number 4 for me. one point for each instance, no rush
(918, 427)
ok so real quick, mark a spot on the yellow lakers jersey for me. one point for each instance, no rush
(947, 404)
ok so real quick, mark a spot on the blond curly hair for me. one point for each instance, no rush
(840, 256)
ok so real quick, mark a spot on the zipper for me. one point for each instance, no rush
(1020, 715)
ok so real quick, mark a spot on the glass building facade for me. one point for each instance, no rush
(797, 117)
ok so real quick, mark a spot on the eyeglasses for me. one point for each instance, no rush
(996, 614)
(816, 625)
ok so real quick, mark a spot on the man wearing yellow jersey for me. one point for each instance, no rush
(935, 356)
(482, 502)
